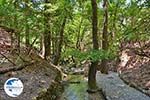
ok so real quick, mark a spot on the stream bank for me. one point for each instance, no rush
(76, 89)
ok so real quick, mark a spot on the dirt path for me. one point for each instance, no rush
(115, 89)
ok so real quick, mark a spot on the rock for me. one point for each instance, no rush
(115, 89)
(40, 79)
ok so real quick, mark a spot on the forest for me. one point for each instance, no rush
(75, 49)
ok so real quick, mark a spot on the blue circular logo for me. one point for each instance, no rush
(13, 87)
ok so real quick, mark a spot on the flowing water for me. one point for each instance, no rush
(76, 88)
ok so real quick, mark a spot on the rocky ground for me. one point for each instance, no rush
(134, 67)
(115, 89)
(41, 79)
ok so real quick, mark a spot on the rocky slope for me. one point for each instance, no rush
(41, 79)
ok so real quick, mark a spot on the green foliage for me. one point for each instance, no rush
(93, 55)
(127, 21)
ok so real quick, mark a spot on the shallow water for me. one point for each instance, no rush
(77, 91)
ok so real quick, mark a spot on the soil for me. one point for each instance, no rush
(134, 68)
(5, 41)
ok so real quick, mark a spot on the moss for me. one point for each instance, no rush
(52, 93)
(38, 70)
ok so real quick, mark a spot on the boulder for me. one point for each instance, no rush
(41, 79)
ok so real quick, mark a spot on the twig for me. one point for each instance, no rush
(21, 57)
(142, 51)
(32, 45)
(8, 59)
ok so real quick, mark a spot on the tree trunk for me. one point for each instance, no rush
(15, 34)
(60, 42)
(92, 70)
(27, 33)
(26, 26)
(78, 35)
(104, 67)
(47, 35)
(53, 45)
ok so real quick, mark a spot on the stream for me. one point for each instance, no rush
(75, 89)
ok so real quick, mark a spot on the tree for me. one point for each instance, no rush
(47, 33)
(16, 26)
(104, 67)
(60, 42)
(93, 67)
(27, 41)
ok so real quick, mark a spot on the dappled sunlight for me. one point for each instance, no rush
(75, 49)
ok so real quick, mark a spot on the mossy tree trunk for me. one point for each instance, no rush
(47, 33)
(60, 42)
(93, 67)
(104, 67)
